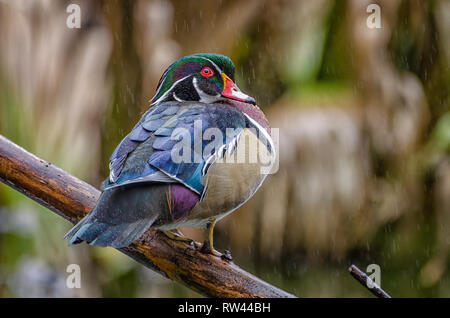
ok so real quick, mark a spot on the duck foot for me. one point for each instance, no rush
(207, 249)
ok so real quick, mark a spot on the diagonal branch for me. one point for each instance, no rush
(365, 280)
(72, 198)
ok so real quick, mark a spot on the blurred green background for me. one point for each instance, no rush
(364, 136)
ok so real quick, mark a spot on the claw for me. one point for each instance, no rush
(207, 249)
(208, 246)
(227, 256)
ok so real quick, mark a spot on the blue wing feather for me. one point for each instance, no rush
(148, 148)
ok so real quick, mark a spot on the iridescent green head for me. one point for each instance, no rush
(203, 77)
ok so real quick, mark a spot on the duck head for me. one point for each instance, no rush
(203, 77)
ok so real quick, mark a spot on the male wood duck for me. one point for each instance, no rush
(161, 177)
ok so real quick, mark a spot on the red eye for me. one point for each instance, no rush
(207, 72)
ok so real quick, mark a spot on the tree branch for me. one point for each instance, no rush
(72, 199)
(364, 280)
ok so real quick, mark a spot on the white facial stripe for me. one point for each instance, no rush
(159, 88)
(204, 97)
(177, 98)
(164, 77)
(214, 64)
(264, 132)
(169, 90)
(173, 85)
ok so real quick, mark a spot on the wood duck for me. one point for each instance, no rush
(179, 166)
